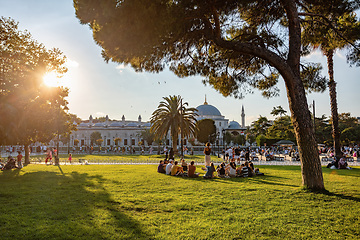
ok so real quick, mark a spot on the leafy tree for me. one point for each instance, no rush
(336, 33)
(95, 136)
(117, 140)
(99, 141)
(260, 140)
(172, 115)
(323, 130)
(76, 142)
(148, 136)
(281, 129)
(239, 139)
(29, 110)
(260, 126)
(206, 131)
(227, 138)
(278, 111)
(233, 44)
(251, 138)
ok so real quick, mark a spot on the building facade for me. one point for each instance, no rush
(128, 132)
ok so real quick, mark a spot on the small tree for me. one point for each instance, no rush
(117, 140)
(206, 131)
(99, 141)
(76, 142)
(260, 140)
(95, 136)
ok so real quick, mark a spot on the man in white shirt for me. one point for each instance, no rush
(168, 167)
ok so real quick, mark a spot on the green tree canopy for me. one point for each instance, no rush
(281, 129)
(278, 111)
(206, 131)
(29, 110)
(340, 30)
(234, 45)
(260, 126)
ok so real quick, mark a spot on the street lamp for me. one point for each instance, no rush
(223, 135)
(218, 143)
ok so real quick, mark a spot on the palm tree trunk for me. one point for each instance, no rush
(333, 103)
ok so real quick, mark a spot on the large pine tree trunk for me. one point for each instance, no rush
(311, 170)
(333, 103)
(27, 154)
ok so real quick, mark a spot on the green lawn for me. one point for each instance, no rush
(136, 202)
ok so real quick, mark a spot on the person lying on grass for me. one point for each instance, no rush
(176, 170)
(191, 170)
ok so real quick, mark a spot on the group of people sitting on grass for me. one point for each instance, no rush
(338, 164)
(12, 163)
(173, 168)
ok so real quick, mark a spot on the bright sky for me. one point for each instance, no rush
(101, 89)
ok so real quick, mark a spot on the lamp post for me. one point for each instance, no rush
(223, 135)
(218, 143)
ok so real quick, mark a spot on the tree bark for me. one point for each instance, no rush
(27, 154)
(333, 103)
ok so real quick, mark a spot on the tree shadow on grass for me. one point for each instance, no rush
(332, 194)
(266, 179)
(47, 205)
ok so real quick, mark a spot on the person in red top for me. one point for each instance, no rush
(48, 156)
(19, 160)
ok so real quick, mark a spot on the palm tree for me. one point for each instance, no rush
(336, 33)
(172, 115)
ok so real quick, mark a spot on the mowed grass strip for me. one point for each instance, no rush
(136, 202)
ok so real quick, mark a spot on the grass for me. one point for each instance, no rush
(135, 202)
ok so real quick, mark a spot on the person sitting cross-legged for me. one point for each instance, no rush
(191, 170)
(221, 170)
(210, 171)
(176, 170)
(161, 167)
(168, 167)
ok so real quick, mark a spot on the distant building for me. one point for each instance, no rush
(128, 131)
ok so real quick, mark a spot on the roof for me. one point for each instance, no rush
(234, 125)
(284, 142)
(208, 110)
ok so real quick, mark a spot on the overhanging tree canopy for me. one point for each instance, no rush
(29, 110)
(233, 44)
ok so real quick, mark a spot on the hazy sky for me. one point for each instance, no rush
(101, 89)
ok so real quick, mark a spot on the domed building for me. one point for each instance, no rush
(129, 131)
(207, 111)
